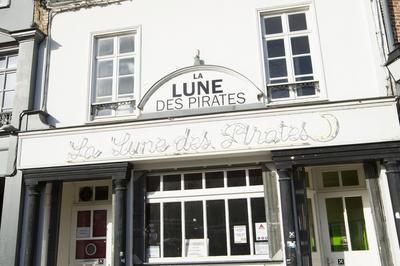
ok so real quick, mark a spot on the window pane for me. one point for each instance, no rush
(238, 227)
(355, 217)
(337, 231)
(125, 85)
(172, 230)
(302, 65)
(2, 77)
(279, 92)
(126, 44)
(273, 25)
(255, 177)
(11, 81)
(2, 62)
(90, 249)
(105, 69)
(126, 66)
(153, 226)
(193, 181)
(104, 87)
(330, 179)
(311, 231)
(101, 193)
(350, 178)
(12, 61)
(236, 178)
(297, 22)
(8, 99)
(305, 89)
(194, 220)
(258, 216)
(300, 45)
(105, 47)
(172, 182)
(83, 219)
(153, 183)
(214, 179)
(275, 48)
(99, 223)
(277, 68)
(216, 231)
(276, 81)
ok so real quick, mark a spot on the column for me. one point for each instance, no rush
(288, 217)
(119, 222)
(393, 177)
(31, 221)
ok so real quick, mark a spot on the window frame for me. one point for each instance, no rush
(6, 71)
(204, 194)
(136, 54)
(315, 53)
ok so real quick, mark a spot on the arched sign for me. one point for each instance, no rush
(200, 87)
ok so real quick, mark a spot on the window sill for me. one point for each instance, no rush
(211, 260)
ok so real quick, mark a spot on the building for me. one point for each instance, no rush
(19, 40)
(177, 132)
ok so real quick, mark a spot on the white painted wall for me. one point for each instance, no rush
(227, 34)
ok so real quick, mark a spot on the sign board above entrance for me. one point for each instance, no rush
(199, 87)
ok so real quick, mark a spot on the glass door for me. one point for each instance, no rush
(348, 234)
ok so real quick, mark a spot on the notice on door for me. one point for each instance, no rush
(261, 231)
(239, 233)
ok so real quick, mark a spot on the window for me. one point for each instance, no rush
(206, 216)
(8, 77)
(114, 75)
(4, 3)
(289, 63)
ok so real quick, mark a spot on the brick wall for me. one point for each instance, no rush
(394, 6)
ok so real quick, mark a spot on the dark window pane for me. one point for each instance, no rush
(350, 178)
(193, 181)
(255, 176)
(275, 48)
(300, 45)
(194, 220)
(302, 65)
(258, 216)
(273, 25)
(172, 230)
(214, 179)
(83, 219)
(305, 89)
(297, 22)
(101, 193)
(304, 78)
(239, 229)
(355, 217)
(279, 92)
(276, 81)
(99, 223)
(85, 194)
(153, 183)
(330, 179)
(277, 68)
(172, 182)
(337, 231)
(236, 178)
(153, 227)
(216, 227)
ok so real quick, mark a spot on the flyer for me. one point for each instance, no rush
(82, 232)
(261, 231)
(240, 234)
(261, 248)
(153, 251)
(195, 248)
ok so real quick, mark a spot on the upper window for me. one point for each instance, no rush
(4, 3)
(288, 56)
(8, 75)
(113, 75)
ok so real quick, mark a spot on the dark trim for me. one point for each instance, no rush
(54, 227)
(336, 154)
(79, 172)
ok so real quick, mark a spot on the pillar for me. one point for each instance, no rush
(120, 222)
(393, 178)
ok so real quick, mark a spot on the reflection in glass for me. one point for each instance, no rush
(105, 47)
(355, 217)
(336, 225)
(300, 45)
(255, 177)
(350, 178)
(236, 178)
(125, 85)
(273, 25)
(279, 92)
(194, 220)
(172, 182)
(214, 179)
(104, 87)
(105, 69)
(297, 22)
(275, 48)
(216, 231)
(172, 230)
(193, 181)
(277, 68)
(99, 223)
(126, 66)
(238, 220)
(153, 224)
(302, 65)
(330, 179)
(126, 44)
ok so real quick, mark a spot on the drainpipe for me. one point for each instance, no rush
(386, 20)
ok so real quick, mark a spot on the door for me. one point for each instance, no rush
(91, 236)
(347, 231)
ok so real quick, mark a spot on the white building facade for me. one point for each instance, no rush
(202, 133)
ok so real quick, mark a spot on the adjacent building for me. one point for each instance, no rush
(204, 133)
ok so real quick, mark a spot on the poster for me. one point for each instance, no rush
(82, 232)
(195, 248)
(261, 231)
(261, 248)
(239, 233)
(153, 251)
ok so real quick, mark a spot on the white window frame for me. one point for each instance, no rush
(315, 52)
(5, 71)
(223, 193)
(93, 71)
